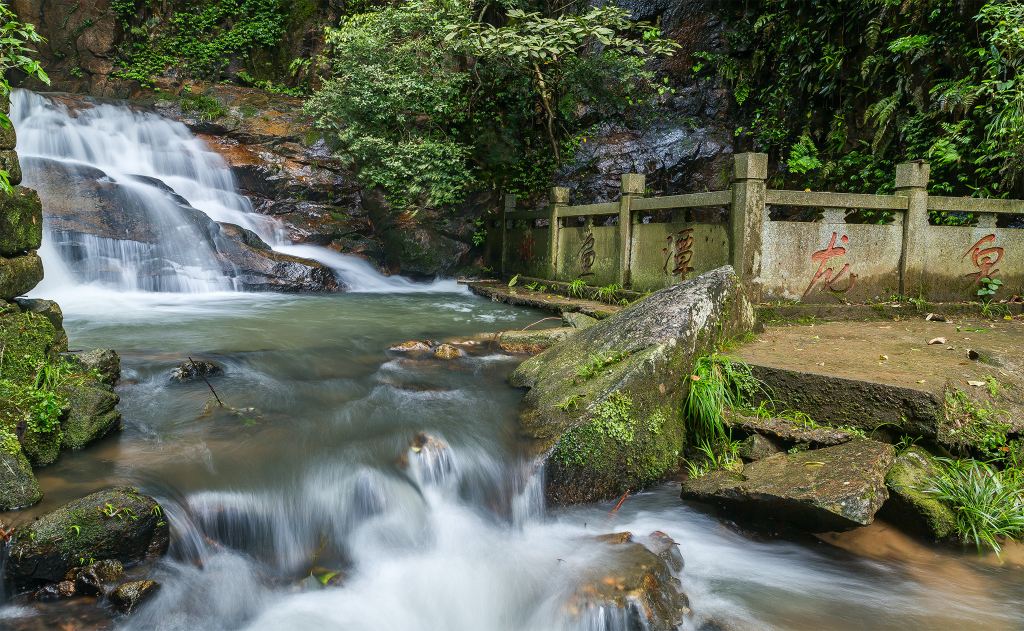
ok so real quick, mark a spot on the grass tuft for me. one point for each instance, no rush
(988, 502)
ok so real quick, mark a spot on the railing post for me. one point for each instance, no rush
(559, 200)
(633, 185)
(510, 206)
(749, 189)
(912, 183)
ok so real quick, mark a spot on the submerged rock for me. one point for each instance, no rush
(128, 596)
(119, 524)
(411, 346)
(447, 351)
(605, 404)
(55, 591)
(195, 369)
(909, 504)
(836, 488)
(634, 586)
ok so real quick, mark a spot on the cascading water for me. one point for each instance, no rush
(153, 188)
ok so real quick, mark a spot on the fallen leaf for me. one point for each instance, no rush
(976, 384)
(937, 340)
(920, 381)
(883, 357)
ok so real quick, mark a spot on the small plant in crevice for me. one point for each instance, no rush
(577, 288)
(972, 423)
(598, 363)
(988, 287)
(571, 402)
(607, 293)
(988, 503)
(718, 382)
(714, 455)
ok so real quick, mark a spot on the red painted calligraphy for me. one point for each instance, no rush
(984, 258)
(827, 275)
(526, 248)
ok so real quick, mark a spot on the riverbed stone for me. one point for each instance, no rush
(447, 351)
(92, 412)
(605, 405)
(18, 485)
(128, 596)
(118, 523)
(835, 488)
(19, 275)
(634, 581)
(910, 505)
(21, 222)
(192, 370)
(532, 341)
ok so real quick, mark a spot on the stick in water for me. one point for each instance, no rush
(208, 384)
(619, 505)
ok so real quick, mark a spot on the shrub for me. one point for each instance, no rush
(988, 502)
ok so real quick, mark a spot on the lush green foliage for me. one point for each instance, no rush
(199, 39)
(718, 382)
(988, 502)
(16, 53)
(845, 90)
(430, 101)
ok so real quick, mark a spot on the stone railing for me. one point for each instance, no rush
(644, 243)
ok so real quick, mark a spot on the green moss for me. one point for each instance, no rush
(27, 341)
(909, 479)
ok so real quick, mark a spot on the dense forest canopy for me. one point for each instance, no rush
(431, 99)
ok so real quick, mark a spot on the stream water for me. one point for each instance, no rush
(454, 537)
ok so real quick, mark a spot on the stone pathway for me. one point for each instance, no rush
(499, 291)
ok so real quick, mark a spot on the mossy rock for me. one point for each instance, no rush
(909, 505)
(9, 162)
(532, 341)
(119, 523)
(19, 275)
(18, 485)
(41, 445)
(29, 340)
(606, 403)
(92, 413)
(21, 222)
(8, 137)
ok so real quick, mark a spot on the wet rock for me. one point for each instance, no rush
(129, 596)
(578, 320)
(788, 431)
(21, 222)
(666, 548)
(259, 268)
(9, 162)
(835, 488)
(91, 580)
(55, 591)
(757, 447)
(119, 524)
(532, 342)
(635, 584)
(19, 275)
(430, 457)
(92, 413)
(447, 351)
(18, 485)
(909, 505)
(605, 404)
(193, 370)
(52, 312)
(411, 346)
(103, 362)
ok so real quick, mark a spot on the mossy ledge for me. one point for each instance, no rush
(605, 405)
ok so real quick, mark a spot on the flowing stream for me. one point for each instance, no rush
(315, 471)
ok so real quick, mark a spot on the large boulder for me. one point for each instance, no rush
(21, 222)
(606, 403)
(119, 524)
(836, 488)
(910, 505)
(19, 275)
(18, 486)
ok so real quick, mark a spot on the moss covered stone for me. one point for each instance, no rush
(29, 340)
(18, 486)
(606, 403)
(8, 137)
(9, 162)
(19, 275)
(119, 523)
(910, 505)
(92, 413)
(21, 222)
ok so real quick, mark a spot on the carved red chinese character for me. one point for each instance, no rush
(985, 259)
(827, 275)
(679, 252)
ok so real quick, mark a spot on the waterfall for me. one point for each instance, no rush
(132, 202)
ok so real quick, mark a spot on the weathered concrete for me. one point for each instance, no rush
(788, 431)
(836, 488)
(886, 375)
(606, 403)
(521, 296)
